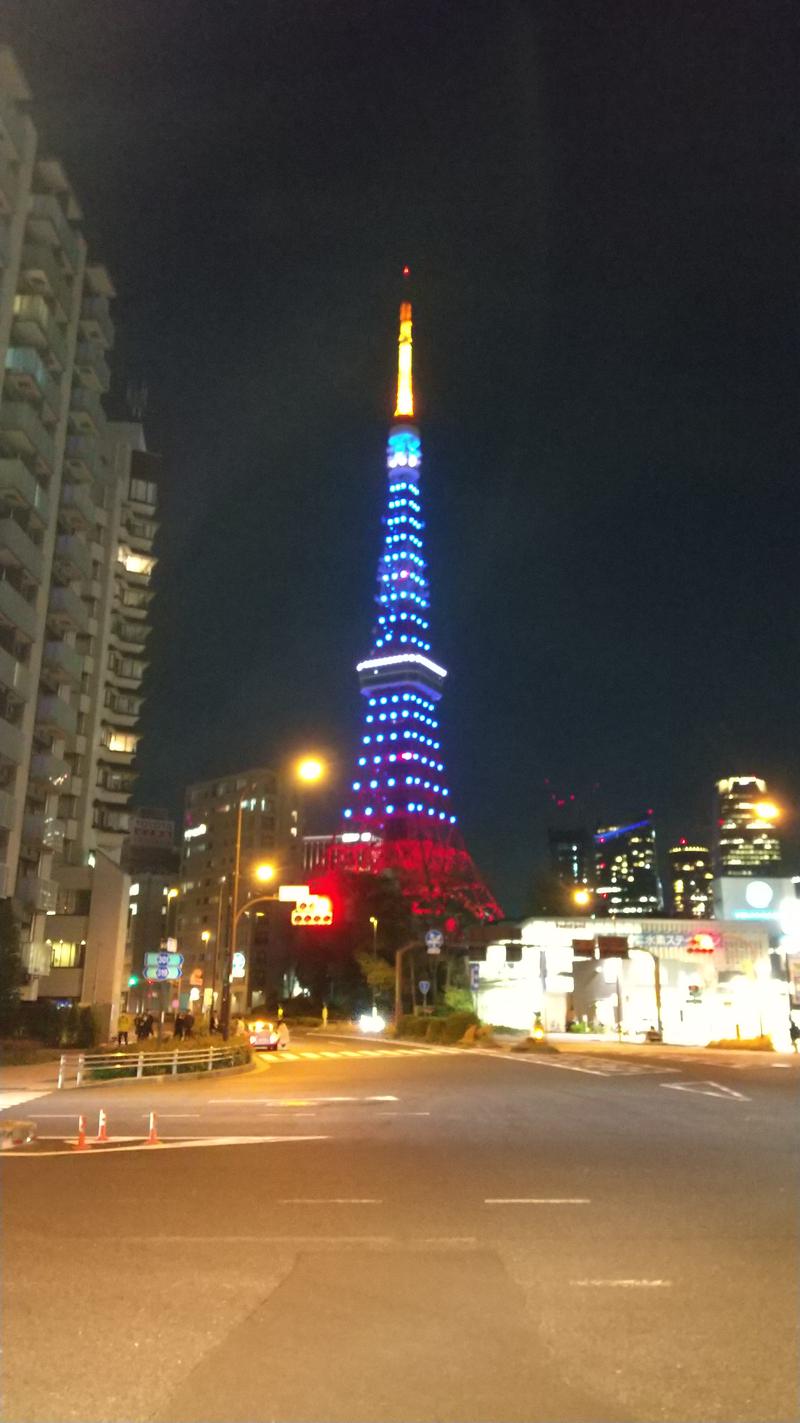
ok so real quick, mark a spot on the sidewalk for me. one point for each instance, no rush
(32, 1076)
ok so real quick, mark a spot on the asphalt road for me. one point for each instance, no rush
(415, 1235)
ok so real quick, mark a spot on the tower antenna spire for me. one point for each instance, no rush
(405, 390)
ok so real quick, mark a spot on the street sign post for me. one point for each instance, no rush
(161, 966)
(434, 940)
(474, 976)
(424, 988)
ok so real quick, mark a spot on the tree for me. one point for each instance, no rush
(12, 972)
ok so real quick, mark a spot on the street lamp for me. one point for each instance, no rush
(309, 769)
(373, 921)
(264, 873)
(581, 897)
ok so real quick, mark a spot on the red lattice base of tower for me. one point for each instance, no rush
(436, 873)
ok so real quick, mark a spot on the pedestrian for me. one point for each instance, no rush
(283, 1034)
(149, 1024)
(123, 1028)
(178, 1029)
(794, 1033)
(139, 1025)
(213, 1022)
(188, 1024)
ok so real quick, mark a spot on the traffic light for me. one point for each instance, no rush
(133, 980)
(316, 910)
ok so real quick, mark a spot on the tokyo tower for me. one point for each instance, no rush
(400, 816)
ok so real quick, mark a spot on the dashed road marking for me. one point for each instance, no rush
(536, 1201)
(624, 1284)
(330, 1201)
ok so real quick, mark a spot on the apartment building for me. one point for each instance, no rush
(77, 522)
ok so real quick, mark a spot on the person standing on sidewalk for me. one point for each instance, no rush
(123, 1028)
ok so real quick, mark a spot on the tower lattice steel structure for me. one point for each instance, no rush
(400, 816)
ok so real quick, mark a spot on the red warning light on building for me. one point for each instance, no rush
(313, 912)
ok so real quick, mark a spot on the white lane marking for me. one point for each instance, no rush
(701, 1089)
(313, 1101)
(330, 1201)
(174, 1116)
(173, 1144)
(403, 1114)
(20, 1097)
(625, 1284)
(536, 1201)
(534, 1061)
(780, 1064)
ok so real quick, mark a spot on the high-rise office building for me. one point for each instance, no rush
(626, 869)
(691, 881)
(77, 506)
(571, 858)
(746, 843)
(208, 870)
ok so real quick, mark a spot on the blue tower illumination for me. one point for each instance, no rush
(400, 788)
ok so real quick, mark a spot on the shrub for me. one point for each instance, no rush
(436, 1030)
(762, 1044)
(454, 1027)
(410, 1026)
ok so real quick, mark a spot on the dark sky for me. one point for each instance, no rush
(599, 203)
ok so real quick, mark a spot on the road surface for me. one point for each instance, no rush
(359, 1231)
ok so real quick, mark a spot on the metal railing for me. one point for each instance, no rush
(97, 1066)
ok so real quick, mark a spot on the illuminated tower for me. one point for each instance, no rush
(400, 798)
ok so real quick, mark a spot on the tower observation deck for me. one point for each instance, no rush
(399, 813)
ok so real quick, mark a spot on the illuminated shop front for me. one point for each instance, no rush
(698, 981)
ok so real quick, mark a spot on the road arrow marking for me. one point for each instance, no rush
(702, 1089)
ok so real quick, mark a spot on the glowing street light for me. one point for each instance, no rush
(767, 810)
(310, 769)
(581, 897)
(264, 873)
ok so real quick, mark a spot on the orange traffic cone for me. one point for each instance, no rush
(152, 1139)
(80, 1144)
(102, 1127)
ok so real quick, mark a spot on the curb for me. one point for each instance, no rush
(152, 1077)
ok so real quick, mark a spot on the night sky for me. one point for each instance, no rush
(598, 202)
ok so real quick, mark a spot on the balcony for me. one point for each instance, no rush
(28, 377)
(38, 894)
(72, 557)
(131, 635)
(16, 611)
(49, 772)
(20, 488)
(42, 273)
(22, 432)
(33, 833)
(11, 744)
(54, 832)
(47, 222)
(82, 457)
(8, 810)
(92, 365)
(96, 323)
(86, 414)
(55, 715)
(9, 188)
(36, 958)
(76, 508)
(14, 677)
(35, 325)
(12, 133)
(66, 609)
(65, 661)
(17, 550)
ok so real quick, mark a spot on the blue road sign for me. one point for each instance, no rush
(424, 987)
(474, 976)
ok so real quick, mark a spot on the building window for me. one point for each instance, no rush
(64, 955)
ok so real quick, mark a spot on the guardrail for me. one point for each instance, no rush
(99, 1066)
